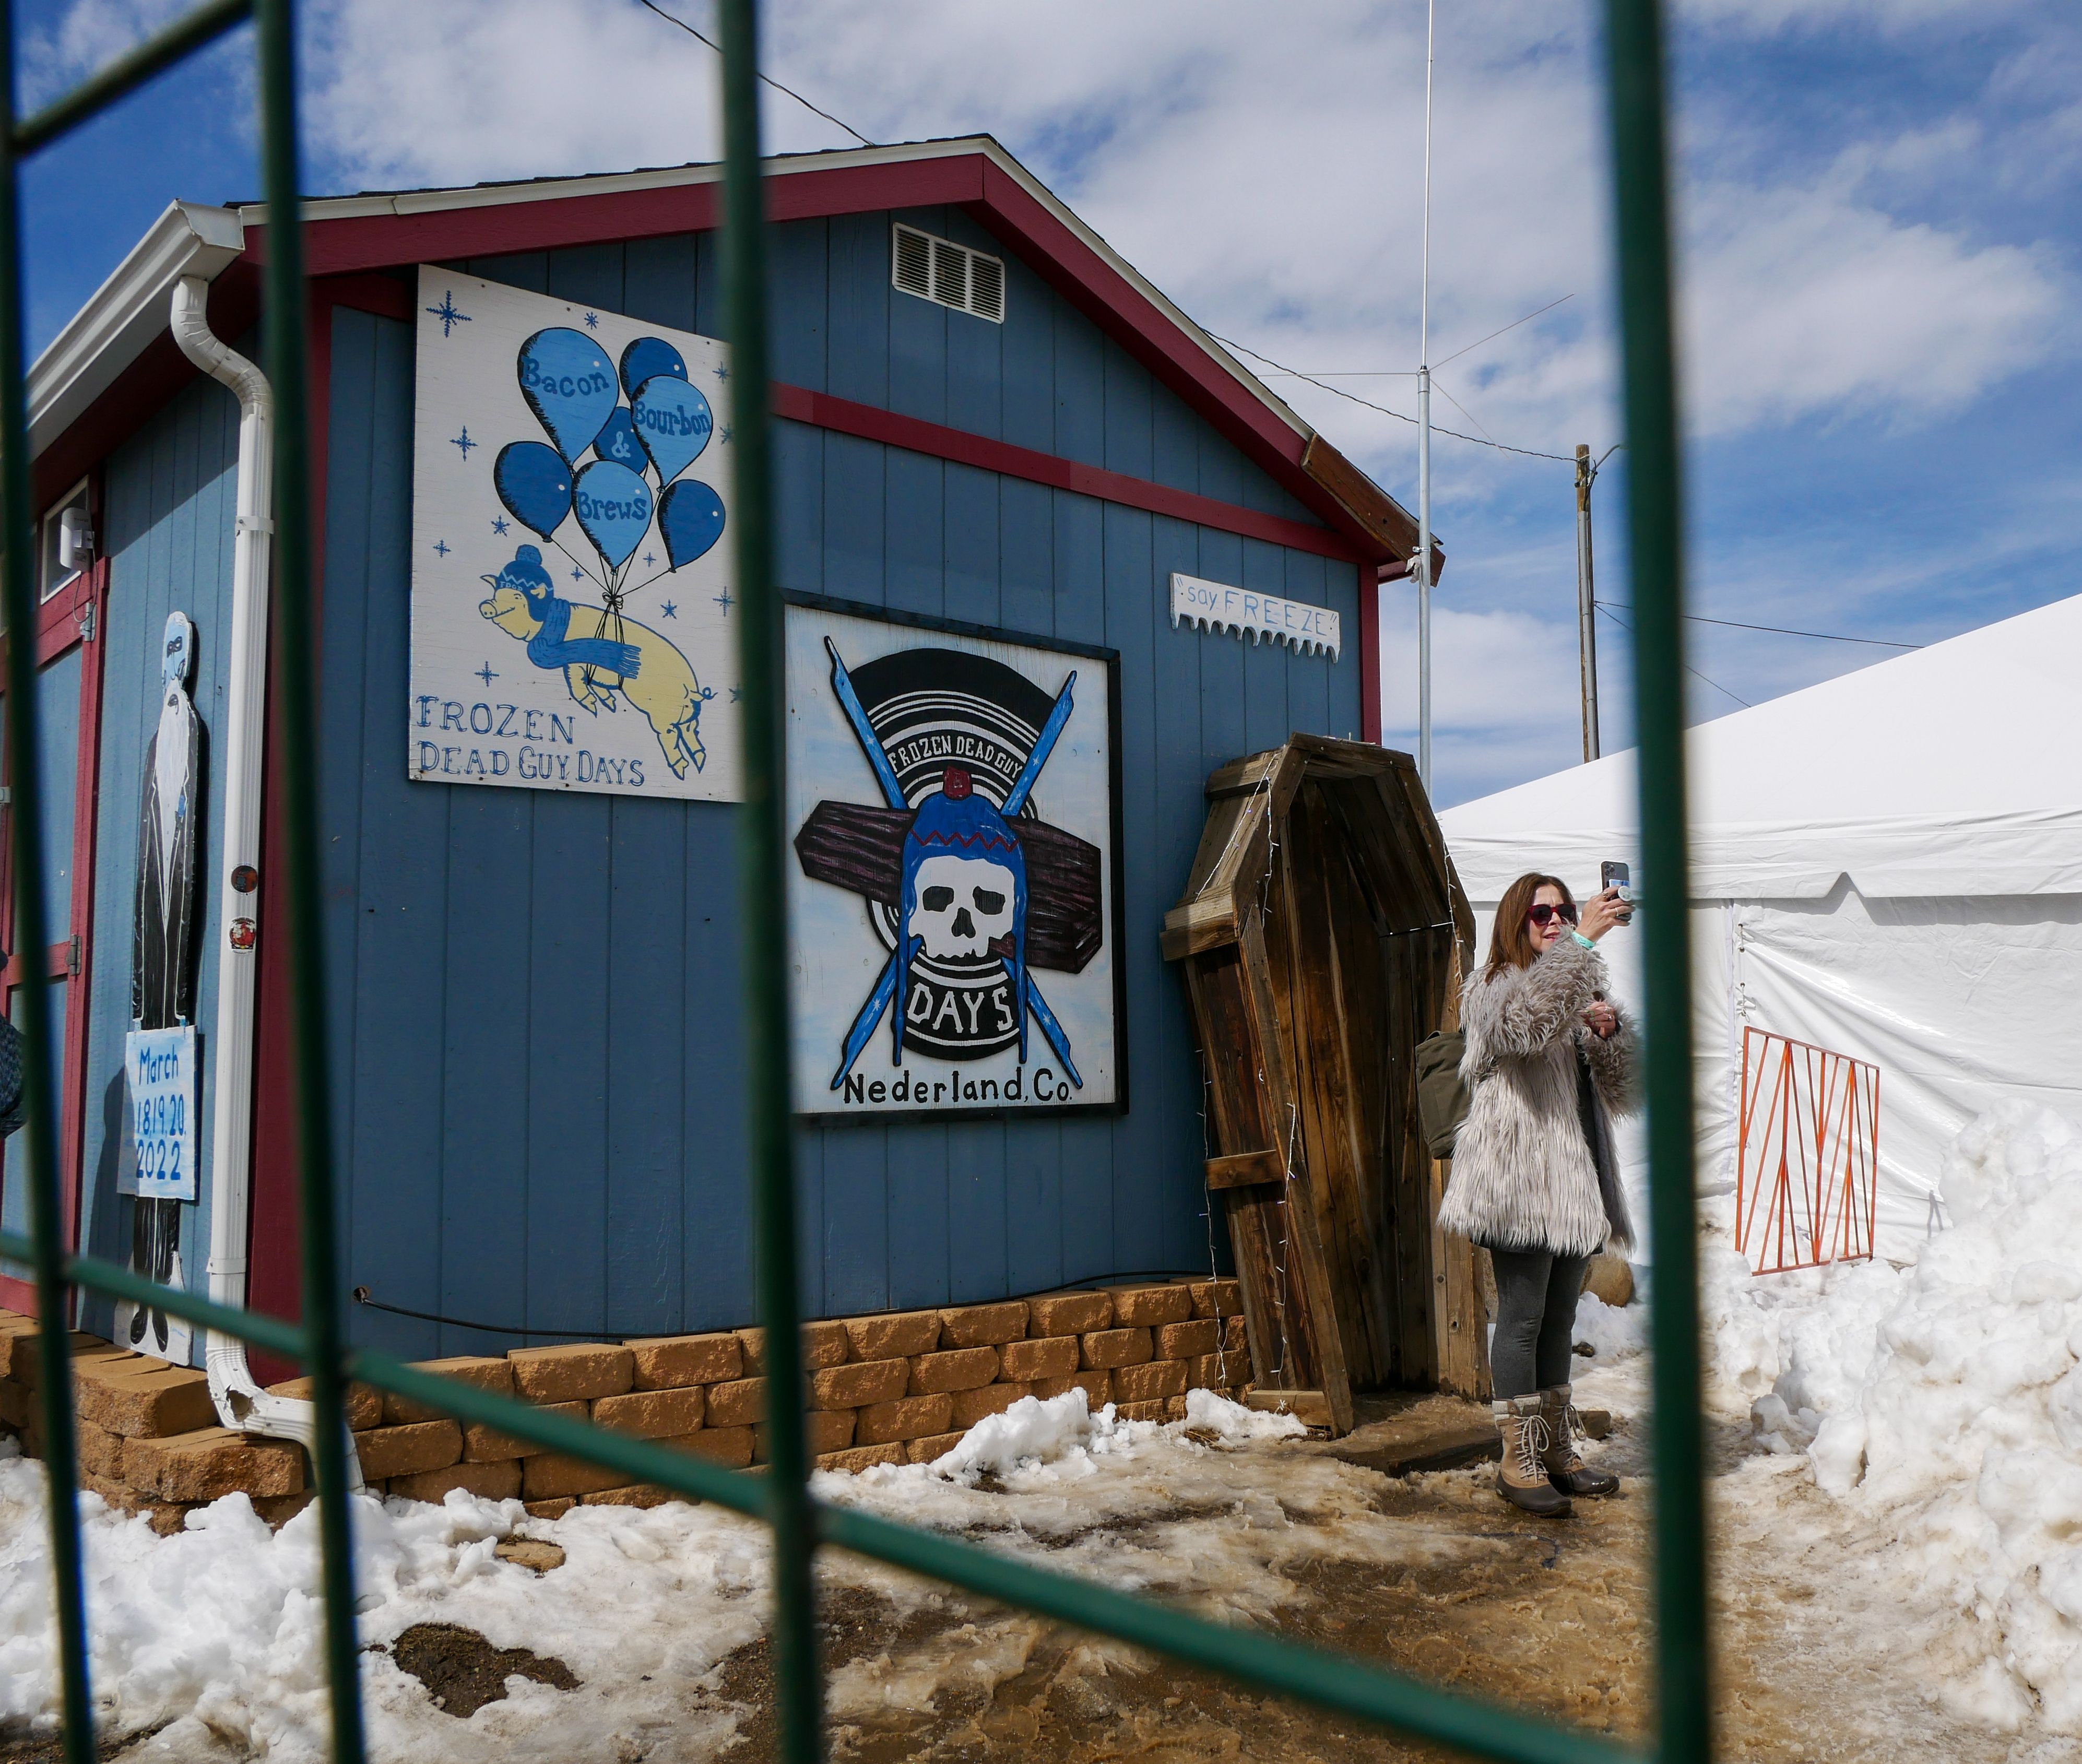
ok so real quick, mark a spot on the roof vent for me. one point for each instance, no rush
(947, 274)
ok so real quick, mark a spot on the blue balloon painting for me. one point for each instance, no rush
(647, 358)
(616, 440)
(535, 483)
(613, 505)
(690, 516)
(673, 421)
(569, 384)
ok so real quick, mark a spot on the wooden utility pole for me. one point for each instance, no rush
(1586, 601)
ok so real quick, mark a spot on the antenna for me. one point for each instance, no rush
(1424, 437)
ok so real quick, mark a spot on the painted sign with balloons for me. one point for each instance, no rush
(572, 604)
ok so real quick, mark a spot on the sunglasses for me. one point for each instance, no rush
(1540, 914)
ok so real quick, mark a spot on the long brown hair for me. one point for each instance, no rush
(1510, 944)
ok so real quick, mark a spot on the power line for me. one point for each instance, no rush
(1605, 608)
(1781, 631)
(1292, 373)
(1492, 337)
(788, 91)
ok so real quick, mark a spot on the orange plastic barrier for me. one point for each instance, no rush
(1807, 1170)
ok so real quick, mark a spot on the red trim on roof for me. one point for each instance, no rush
(871, 423)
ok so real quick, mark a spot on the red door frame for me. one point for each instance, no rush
(76, 616)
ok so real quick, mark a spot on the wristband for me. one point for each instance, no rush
(1586, 942)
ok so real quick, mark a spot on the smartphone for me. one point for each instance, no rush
(1619, 875)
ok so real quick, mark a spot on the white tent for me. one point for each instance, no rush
(1888, 865)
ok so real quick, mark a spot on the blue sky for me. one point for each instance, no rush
(1880, 269)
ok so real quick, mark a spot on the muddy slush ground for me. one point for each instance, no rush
(1545, 1615)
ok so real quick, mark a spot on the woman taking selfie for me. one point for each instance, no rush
(1549, 1061)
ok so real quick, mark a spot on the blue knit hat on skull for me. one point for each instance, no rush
(954, 821)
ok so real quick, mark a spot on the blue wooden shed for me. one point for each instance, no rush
(992, 431)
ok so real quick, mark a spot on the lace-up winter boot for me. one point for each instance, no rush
(1565, 1466)
(1522, 1479)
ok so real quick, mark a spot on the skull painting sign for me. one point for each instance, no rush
(952, 805)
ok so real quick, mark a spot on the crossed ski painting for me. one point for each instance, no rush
(943, 804)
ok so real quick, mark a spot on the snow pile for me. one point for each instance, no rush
(1036, 1431)
(218, 1629)
(1944, 1402)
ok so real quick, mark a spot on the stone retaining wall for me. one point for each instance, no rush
(898, 1387)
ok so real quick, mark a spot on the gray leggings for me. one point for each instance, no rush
(1535, 1322)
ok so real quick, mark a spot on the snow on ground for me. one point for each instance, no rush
(1940, 1404)
(217, 1630)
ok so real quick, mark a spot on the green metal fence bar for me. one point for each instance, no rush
(1634, 31)
(296, 708)
(780, 1495)
(763, 848)
(122, 76)
(31, 940)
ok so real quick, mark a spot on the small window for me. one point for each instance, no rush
(947, 274)
(66, 544)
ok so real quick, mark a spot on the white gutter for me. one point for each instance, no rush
(240, 1403)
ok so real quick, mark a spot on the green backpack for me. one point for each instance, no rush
(1442, 1097)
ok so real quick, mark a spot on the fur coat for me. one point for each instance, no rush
(1525, 1175)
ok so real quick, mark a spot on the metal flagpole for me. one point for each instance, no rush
(1424, 437)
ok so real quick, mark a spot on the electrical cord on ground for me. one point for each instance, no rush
(767, 79)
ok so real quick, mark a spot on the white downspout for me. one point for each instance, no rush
(240, 1403)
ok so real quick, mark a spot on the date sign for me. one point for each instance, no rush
(161, 1066)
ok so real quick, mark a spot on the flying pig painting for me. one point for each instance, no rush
(572, 604)
(953, 808)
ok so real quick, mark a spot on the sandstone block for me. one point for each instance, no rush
(862, 1458)
(958, 1369)
(551, 1473)
(100, 1451)
(1175, 1409)
(493, 1482)
(653, 1414)
(13, 1403)
(210, 1463)
(907, 1417)
(1217, 1372)
(154, 1400)
(1188, 1340)
(1098, 1388)
(1069, 1313)
(972, 1406)
(1217, 1299)
(830, 1429)
(278, 1510)
(924, 1451)
(1235, 1338)
(1049, 1356)
(1148, 1306)
(484, 1372)
(166, 1517)
(1143, 1412)
(365, 1402)
(863, 1382)
(573, 1374)
(983, 1326)
(639, 1494)
(407, 1451)
(1149, 1383)
(484, 1445)
(729, 1447)
(738, 1404)
(670, 1362)
(824, 1343)
(895, 1336)
(554, 1509)
(22, 1352)
(1108, 1348)
(532, 1554)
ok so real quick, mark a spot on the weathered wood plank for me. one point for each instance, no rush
(1245, 1169)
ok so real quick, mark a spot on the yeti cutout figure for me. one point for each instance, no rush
(960, 843)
